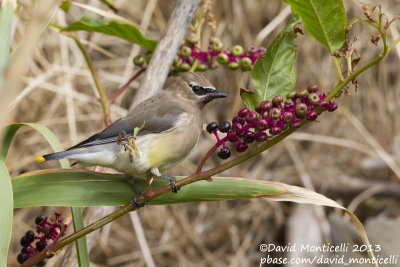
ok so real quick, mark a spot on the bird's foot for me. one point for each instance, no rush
(135, 202)
(139, 194)
(172, 181)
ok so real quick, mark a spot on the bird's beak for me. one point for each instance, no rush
(212, 95)
(217, 94)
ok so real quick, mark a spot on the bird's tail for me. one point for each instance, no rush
(57, 155)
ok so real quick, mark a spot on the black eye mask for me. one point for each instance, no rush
(200, 90)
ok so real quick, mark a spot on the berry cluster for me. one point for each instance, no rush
(271, 118)
(189, 52)
(45, 230)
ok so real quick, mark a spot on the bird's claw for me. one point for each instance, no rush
(135, 203)
(174, 188)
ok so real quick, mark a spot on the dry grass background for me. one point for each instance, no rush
(344, 156)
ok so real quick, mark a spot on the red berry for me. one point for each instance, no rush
(265, 105)
(332, 106)
(238, 120)
(237, 128)
(277, 99)
(241, 147)
(275, 113)
(248, 137)
(301, 92)
(261, 137)
(289, 103)
(312, 115)
(287, 116)
(324, 105)
(313, 98)
(262, 124)
(313, 88)
(301, 110)
(275, 130)
(243, 112)
(251, 117)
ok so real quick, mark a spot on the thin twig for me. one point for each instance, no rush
(123, 87)
(103, 97)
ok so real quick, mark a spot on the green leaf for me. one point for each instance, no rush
(7, 8)
(251, 99)
(81, 245)
(85, 188)
(115, 28)
(274, 73)
(10, 131)
(325, 20)
(6, 212)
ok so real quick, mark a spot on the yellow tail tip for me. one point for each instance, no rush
(40, 159)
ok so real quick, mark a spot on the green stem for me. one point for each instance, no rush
(338, 69)
(103, 97)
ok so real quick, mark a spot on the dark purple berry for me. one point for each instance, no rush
(290, 95)
(262, 124)
(241, 147)
(251, 117)
(332, 106)
(211, 127)
(301, 92)
(40, 219)
(296, 124)
(238, 120)
(237, 128)
(312, 115)
(224, 153)
(185, 51)
(324, 105)
(261, 137)
(313, 98)
(237, 50)
(289, 103)
(313, 88)
(224, 126)
(222, 58)
(275, 113)
(242, 113)
(277, 99)
(248, 136)
(287, 116)
(301, 110)
(22, 257)
(233, 65)
(24, 242)
(30, 236)
(40, 245)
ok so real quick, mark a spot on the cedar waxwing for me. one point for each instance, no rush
(172, 124)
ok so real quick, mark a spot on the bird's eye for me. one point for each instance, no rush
(200, 90)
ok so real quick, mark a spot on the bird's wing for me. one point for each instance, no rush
(156, 117)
